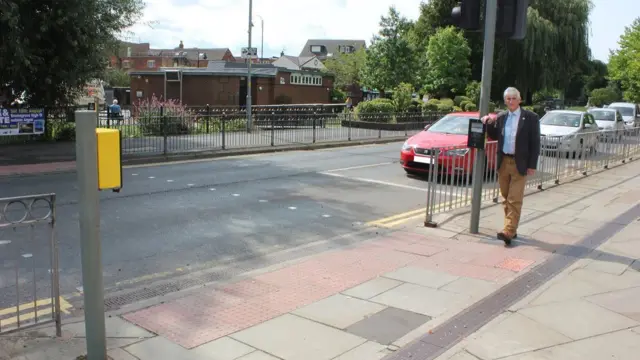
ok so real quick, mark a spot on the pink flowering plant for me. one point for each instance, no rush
(158, 117)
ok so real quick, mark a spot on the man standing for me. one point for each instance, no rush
(518, 133)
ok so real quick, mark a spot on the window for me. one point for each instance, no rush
(151, 64)
(126, 64)
(306, 79)
(316, 48)
(346, 49)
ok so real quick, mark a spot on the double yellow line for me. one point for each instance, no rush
(395, 220)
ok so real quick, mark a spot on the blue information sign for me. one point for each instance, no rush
(21, 121)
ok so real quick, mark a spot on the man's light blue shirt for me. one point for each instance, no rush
(510, 131)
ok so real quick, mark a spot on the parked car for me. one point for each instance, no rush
(609, 122)
(449, 136)
(630, 113)
(569, 132)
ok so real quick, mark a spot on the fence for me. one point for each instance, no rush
(561, 158)
(29, 281)
(154, 130)
(166, 130)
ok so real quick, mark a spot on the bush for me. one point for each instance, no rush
(602, 96)
(447, 101)
(431, 105)
(158, 118)
(457, 109)
(402, 97)
(458, 100)
(60, 130)
(445, 107)
(470, 107)
(464, 104)
(380, 105)
(492, 107)
(416, 106)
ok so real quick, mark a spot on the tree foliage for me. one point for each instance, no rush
(51, 49)
(448, 67)
(346, 68)
(390, 59)
(624, 64)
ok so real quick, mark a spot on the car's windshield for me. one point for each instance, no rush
(561, 119)
(603, 115)
(624, 111)
(451, 124)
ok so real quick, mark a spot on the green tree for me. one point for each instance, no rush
(50, 50)
(117, 77)
(557, 42)
(448, 68)
(624, 64)
(390, 59)
(347, 68)
(402, 95)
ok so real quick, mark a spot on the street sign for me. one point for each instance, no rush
(246, 53)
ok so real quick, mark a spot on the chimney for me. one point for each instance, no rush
(181, 46)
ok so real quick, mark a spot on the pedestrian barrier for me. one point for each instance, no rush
(562, 159)
(29, 279)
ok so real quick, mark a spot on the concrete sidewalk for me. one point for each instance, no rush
(412, 294)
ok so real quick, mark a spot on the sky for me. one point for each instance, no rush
(289, 23)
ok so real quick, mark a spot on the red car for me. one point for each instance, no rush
(449, 135)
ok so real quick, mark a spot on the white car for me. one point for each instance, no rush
(630, 113)
(568, 131)
(609, 122)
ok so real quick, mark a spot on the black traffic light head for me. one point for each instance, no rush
(467, 14)
(512, 19)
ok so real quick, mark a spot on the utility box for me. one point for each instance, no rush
(109, 145)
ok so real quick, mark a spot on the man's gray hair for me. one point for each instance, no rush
(513, 92)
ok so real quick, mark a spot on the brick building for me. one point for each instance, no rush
(140, 56)
(224, 83)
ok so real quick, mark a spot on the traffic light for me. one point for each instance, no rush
(512, 19)
(467, 15)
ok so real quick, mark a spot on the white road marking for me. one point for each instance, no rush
(236, 194)
(26, 256)
(360, 167)
(169, 180)
(134, 174)
(152, 177)
(5, 242)
(326, 216)
(212, 189)
(191, 184)
(263, 201)
(376, 181)
(292, 207)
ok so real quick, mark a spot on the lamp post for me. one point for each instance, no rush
(249, 70)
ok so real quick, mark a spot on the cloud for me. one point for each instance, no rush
(288, 24)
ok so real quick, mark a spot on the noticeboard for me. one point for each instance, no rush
(21, 121)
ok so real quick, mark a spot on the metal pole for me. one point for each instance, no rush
(87, 169)
(485, 95)
(249, 70)
(262, 38)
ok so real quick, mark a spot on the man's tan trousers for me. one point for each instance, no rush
(512, 189)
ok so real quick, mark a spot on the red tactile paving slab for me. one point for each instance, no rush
(208, 315)
(514, 264)
(37, 168)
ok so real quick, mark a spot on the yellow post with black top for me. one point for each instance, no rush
(109, 146)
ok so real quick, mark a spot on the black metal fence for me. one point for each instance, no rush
(178, 129)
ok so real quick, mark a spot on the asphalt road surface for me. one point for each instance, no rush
(207, 220)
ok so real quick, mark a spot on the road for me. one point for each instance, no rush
(182, 224)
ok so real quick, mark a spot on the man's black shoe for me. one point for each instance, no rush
(504, 237)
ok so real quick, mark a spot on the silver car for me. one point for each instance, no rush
(609, 121)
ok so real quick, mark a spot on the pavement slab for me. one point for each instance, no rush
(422, 300)
(578, 319)
(339, 311)
(388, 325)
(618, 301)
(293, 338)
(372, 288)
(514, 334)
(369, 351)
